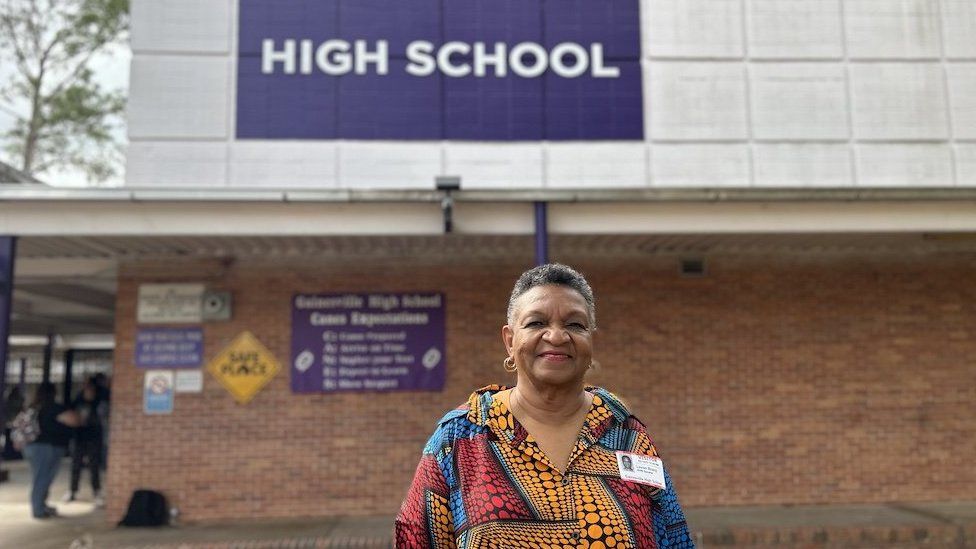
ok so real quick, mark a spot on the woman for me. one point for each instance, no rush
(45, 453)
(540, 464)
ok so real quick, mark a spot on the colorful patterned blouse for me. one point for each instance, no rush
(483, 482)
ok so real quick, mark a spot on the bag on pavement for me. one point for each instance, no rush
(146, 508)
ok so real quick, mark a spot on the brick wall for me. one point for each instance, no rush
(803, 379)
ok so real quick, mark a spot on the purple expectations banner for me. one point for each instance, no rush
(169, 347)
(367, 342)
(486, 70)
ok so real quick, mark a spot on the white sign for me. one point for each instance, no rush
(170, 303)
(189, 381)
(157, 392)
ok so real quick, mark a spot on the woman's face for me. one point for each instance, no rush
(550, 337)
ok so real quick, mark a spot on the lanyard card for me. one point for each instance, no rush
(642, 469)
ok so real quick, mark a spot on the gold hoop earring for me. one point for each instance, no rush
(509, 364)
(594, 365)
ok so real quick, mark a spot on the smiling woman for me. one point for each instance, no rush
(549, 462)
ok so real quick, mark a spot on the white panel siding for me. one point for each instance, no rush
(910, 165)
(959, 28)
(799, 101)
(390, 165)
(966, 164)
(799, 29)
(194, 26)
(693, 101)
(802, 165)
(179, 97)
(174, 164)
(612, 165)
(692, 28)
(495, 166)
(288, 164)
(700, 165)
(900, 101)
(892, 29)
(962, 98)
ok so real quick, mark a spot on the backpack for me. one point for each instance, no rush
(146, 508)
(25, 428)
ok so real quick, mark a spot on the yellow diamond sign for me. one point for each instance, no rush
(244, 367)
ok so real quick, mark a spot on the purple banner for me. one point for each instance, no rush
(492, 70)
(367, 342)
(169, 347)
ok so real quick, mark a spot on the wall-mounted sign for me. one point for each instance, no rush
(169, 347)
(169, 303)
(365, 342)
(244, 367)
(189, 381)
(426, 69)
(157, 392)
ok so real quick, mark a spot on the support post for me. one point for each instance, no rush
(69, 363)
(541, 234)
(46, 365)
(8, 251)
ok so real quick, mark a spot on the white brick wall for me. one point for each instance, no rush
(738, 93)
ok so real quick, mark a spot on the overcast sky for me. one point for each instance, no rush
(112, 72)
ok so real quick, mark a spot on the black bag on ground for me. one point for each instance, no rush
(146, 508)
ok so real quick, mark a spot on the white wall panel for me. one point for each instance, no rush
(962, 98)
(181, 25)
(283, 164)
(700, 165)
(390, 165)
(899, 101)
(892, 29)
(612, 165)
(493, 166)
(692, 28)
(904, 165)
(966, 164)
(959, 28)
(802, 165)
(795, 29)
(799, 101)
(690, 101)
(174, 164)
(179, 97)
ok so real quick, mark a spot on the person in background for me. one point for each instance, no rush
(88, 443)
(13, 405)
(45, 453)
(103, 386)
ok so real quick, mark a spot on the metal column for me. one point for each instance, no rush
(541, 234)
(8, 250)
(69, 363)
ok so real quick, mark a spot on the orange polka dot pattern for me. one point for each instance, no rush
(496, 488)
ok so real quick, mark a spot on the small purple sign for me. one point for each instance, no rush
(169, 347)
(367, 342)
(482, 70)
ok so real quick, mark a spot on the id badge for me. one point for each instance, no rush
(641, 469)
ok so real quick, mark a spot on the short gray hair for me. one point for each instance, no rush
(560, 275)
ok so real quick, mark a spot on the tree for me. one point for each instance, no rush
(65, 119)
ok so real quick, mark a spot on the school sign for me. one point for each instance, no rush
(485, 70)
